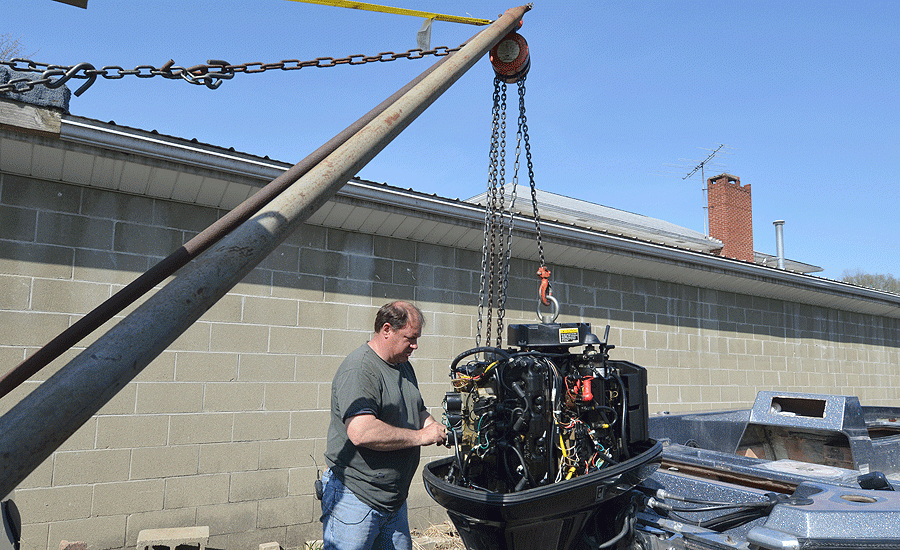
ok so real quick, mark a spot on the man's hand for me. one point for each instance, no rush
(365, 430)
(433, 432)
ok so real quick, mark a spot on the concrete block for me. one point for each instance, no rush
(342, 342)
(286, 453)
(196, 337)
(161, 369)
(297, 287)
(141, 239)
(18, 223)
(291, 396)
(30, 329)
(295, 340)
(84, 467)
(205, 367)
(99, 532)
(266, 368)
(172, 537)
(169, 461)
(313, 314)
(98, 203)
(229, 457)
(128, 497)
(183, 216)
(17, 258)
(235, 517)
(259, 485)
(270, 546)
(256, 283)
(320, 369)
(73, 230)
(55, 295)
(190, 491)
(316, 262)
(54, 504)
(270, 311)
(104, 266)
(201, 428)
(281, 512)
(238, 338)
(351, 242)
(309, 424)
(308, 236)
(29, 192)
(368, 268)
(227, 310)
(261, 426)
(339, 289)
(284, 258)
(66, 545)
(121, 404)
(300, 480)
(149, 520)
(169, 397)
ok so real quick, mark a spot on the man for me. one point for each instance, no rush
(378, 423)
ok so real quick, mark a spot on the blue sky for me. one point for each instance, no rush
(623, 100)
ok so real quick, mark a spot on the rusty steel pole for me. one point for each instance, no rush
(35, 427)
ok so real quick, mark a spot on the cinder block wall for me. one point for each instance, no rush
(226, 428)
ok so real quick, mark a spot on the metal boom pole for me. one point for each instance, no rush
(35, 427)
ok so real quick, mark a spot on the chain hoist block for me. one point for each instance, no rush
(510, 58)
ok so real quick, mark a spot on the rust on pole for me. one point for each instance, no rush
(78, 390)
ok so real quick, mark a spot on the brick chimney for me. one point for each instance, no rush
(730, 216)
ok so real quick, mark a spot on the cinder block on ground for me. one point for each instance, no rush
(270, 546)
(66, 545)
(173, 537)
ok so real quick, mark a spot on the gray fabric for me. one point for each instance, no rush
(365, 383)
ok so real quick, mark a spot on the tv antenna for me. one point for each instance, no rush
(701, 167)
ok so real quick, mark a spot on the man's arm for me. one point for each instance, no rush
(365, 430)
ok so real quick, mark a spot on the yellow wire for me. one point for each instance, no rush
(398, 11)
(489, 367)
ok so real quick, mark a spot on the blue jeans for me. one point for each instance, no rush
(350, 524)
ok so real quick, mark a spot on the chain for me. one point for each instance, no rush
(497, 226)
(498, 219)
(210, 75)
(495, 173)
(523, 125)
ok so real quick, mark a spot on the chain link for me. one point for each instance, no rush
(495, 174)
(210, 75)
(498, 218)
(523, 126)
(496, 250)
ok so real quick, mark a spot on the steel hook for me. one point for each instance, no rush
(65, 75)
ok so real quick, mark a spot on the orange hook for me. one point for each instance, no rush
(545, 291)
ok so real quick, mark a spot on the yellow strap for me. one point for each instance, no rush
(398, 11)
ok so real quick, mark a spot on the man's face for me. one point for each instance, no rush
(401, 343)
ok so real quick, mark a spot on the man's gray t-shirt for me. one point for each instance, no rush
(366, 384)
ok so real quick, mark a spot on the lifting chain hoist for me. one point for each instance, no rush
(511, 62)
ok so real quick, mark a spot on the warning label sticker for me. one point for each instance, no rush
(568, 335)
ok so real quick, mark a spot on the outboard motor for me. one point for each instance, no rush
(548, 443)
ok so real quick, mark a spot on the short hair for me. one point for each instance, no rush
(396, 314)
